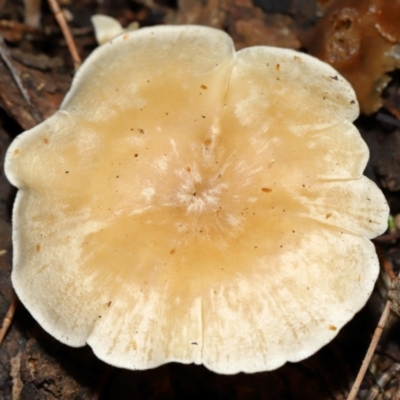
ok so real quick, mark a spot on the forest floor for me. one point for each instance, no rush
(33, 365)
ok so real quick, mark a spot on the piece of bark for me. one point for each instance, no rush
(46, 90)
(394, 295)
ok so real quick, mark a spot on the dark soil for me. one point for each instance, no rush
(35, 366)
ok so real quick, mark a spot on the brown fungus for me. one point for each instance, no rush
(186, 247)
(361, 39)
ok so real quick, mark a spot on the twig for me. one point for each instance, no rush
(6, 57)
(66, 32)
(371, 351)
(375, 338)
(8, 318)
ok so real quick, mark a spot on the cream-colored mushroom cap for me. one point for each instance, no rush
(189, 203)
(106, 27)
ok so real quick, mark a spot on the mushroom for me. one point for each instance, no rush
(188, 203)
(106, 27)
(361, 39)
